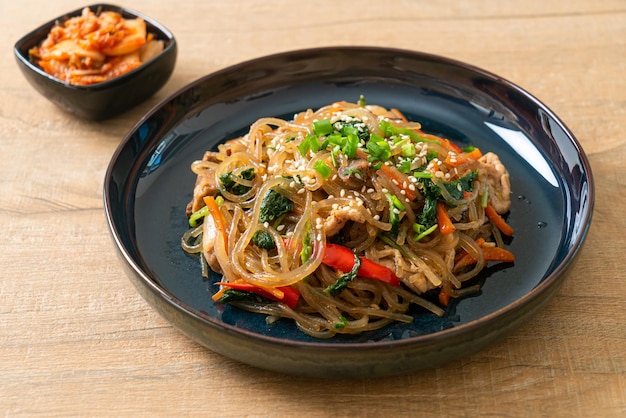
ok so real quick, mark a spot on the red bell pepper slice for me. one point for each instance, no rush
(290, 295)
(342, 258)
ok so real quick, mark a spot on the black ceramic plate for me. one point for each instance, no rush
(149, 182)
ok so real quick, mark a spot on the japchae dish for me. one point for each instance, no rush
(342, 218)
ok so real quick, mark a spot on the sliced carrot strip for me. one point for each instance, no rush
(220, 223)
(401, 180)
(489, 253)
(444, 298)
(463, 158)
(443, 219)
(498, 221)
(498, 254)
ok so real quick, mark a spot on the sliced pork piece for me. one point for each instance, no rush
(494, 173)
(339, 217)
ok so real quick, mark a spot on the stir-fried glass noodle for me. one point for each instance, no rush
(343, 217)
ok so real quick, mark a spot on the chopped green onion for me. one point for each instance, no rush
(305, 145)
(405, 167)
(333, 156)
(400, 140)
(362, 101)
(197, 215)
(310, 142)
(322, 168)
(394, 217)
(484, 200)
(323, 127)
(396, 202)
(422, 174)
(408, 150)
(349, 130)
(307, 248)
(351, 145)
(342, 323)
(391, 130)
(314, 143)
(336, 139)
(422, 231)
(378, 148)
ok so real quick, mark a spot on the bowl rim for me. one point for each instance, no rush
(23, 57)
(550, 281)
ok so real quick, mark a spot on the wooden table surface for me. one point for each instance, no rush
(77, 339)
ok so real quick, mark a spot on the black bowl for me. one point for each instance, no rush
(109, 98)
(149, 183)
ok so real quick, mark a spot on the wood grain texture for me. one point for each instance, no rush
(76, 338)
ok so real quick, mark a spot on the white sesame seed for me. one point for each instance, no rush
(384, 190)
(370, 190)
(342, 193)
(280, 227)
(376, 217)
(266, 224)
